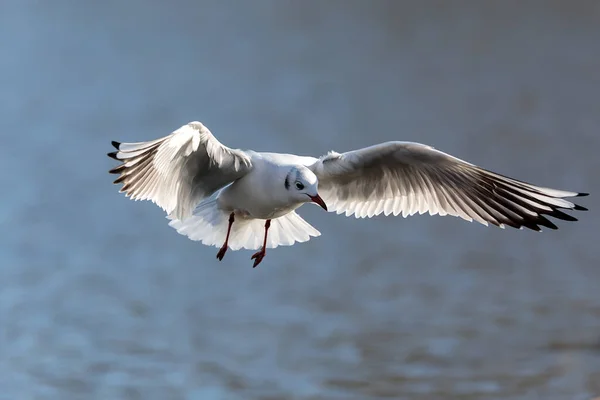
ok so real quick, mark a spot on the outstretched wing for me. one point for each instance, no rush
(405, 177)
(177, 171)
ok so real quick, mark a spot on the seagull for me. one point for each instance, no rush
(231, 198)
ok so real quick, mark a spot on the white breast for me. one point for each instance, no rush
(261, 193)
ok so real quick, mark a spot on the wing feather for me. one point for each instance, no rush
(177, 171)
(408, 178)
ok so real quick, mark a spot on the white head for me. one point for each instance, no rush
(302, 185)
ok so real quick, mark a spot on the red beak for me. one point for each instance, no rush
(317, 199)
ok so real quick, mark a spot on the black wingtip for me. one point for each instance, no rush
(561, 215)
(117, 170)
(541, 220)
(116, 144)
(579, 208)
(113, 155)
(533, 227)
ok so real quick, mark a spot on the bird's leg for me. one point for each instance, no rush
(259, 255)
(223, 249)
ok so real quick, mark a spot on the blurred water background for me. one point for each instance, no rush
(101, 299)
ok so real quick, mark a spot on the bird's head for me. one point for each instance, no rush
(302, 185)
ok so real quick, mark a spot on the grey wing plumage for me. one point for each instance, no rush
(179, 170)
(405, 177)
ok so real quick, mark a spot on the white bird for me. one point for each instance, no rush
(231, 198)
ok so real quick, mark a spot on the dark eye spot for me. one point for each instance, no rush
(299, 185)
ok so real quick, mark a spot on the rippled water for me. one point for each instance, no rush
(100, 299)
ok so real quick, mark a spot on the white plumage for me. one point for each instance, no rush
(208, 224)
(208, 189)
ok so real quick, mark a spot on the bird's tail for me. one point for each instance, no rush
(209, 223)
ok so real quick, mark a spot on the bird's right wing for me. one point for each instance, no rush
(405, 177)
(179, 170)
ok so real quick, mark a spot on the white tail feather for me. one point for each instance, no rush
(208, 224)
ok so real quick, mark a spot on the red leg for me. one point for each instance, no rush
(259, 255)
(221, 252)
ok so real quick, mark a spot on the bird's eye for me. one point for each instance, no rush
(299, 185)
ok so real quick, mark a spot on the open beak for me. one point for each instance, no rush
(317, 199)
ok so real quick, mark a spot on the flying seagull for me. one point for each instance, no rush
(231, 198)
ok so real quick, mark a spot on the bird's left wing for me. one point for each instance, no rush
(405, 177)
(179, 170)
